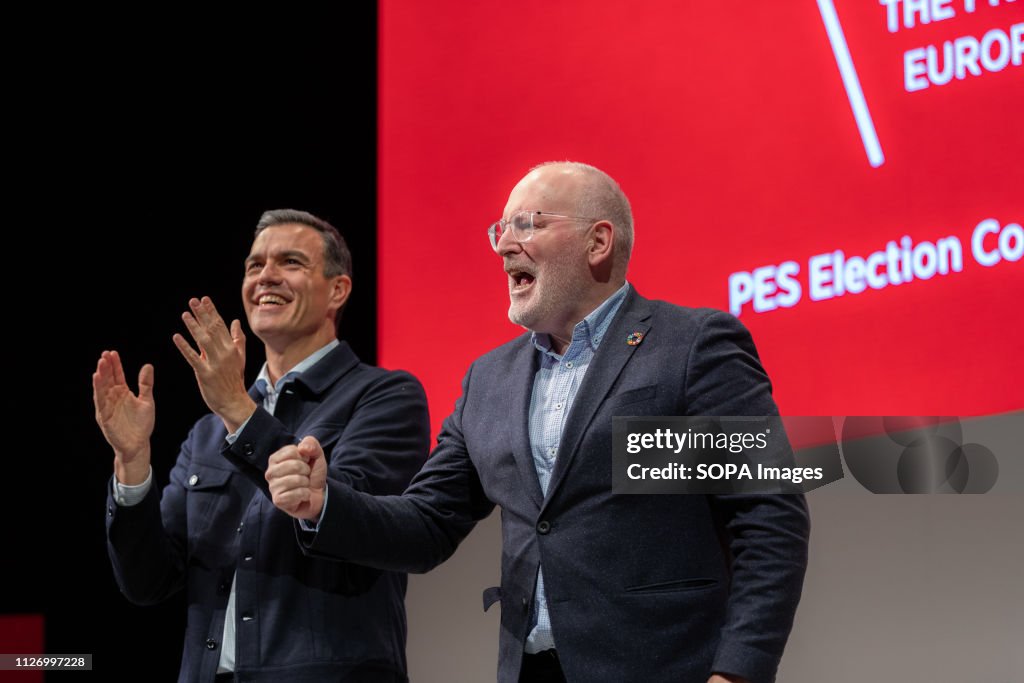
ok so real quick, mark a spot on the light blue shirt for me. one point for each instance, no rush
(554, 390)
(271, 393)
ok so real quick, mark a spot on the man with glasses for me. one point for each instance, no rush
(595, 587)
(258, 608)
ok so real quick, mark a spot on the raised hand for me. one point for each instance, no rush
(125, 419)
(220, 363)
(298, 476)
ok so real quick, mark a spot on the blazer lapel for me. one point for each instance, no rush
(606, 366)
(520, 383)
(319, 378)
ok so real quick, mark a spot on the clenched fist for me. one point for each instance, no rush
(298, 476)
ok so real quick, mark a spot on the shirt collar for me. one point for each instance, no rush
(300, 367)
(590, 330)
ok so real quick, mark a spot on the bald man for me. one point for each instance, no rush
(594, 587)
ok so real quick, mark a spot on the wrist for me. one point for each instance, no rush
(133, 472)
(236, 415)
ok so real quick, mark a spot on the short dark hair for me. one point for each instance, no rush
(337, 257)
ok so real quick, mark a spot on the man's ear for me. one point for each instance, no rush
(341, 289)
(601, 243)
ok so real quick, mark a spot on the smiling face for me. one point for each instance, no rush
(548, 275)
(288, 300)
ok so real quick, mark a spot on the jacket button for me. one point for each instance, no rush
(110, 511)
(247, 449)
(543, 526)
(211, 644)
(247, 558)
(193, 480)
(526, 605)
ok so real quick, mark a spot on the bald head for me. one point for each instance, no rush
(594, 194)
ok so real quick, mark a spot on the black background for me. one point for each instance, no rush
(144, 150)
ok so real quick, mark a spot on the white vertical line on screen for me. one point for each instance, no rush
(852, 84)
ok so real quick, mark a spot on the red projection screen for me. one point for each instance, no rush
(845, 175)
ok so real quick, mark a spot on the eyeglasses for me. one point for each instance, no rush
(522, 225)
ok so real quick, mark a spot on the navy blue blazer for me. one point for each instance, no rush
(298, 618)
(639, 587)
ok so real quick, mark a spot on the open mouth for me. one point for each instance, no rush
(270, 301)
(520, 280)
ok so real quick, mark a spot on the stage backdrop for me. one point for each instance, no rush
(844, 175)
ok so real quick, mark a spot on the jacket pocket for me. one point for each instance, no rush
(633, 396)
(673, 586)
(203, 478)
(207, 493)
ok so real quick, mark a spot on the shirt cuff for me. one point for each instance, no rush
(231, 438)
(307, 525)
(127, 495)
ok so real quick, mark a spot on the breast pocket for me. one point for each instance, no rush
(633, 400)
(326, 433)
(207, 496)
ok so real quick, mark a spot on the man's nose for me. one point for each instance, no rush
(269, 274)
(507, 244)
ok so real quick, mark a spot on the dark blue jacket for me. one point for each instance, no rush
(639, 587)
(298, 618)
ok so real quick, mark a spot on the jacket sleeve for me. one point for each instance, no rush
(147, 542)
(378, 448)
(413, 532)
(766, 536)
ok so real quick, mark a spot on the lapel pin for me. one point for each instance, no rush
(635, 338)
